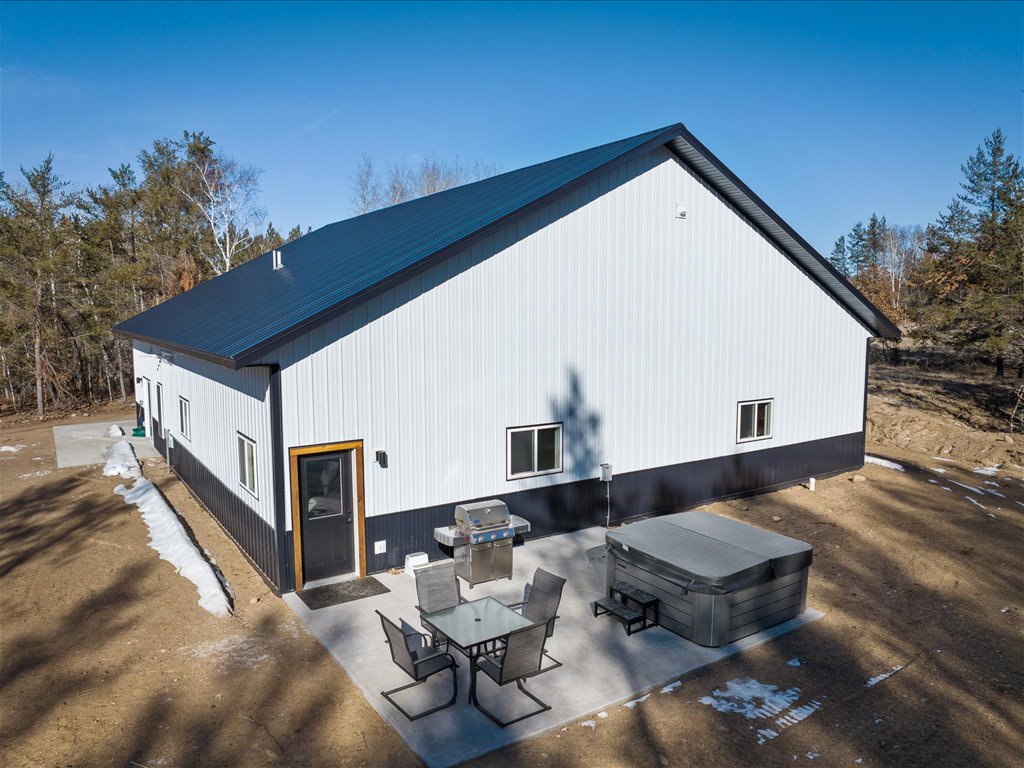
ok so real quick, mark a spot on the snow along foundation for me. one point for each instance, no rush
(167, 535)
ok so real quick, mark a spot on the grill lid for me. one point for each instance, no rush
(481, 516)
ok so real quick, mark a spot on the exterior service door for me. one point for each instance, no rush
(327, 508)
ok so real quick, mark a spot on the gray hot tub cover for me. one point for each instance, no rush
(708, 553)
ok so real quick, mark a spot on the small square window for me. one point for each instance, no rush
(247, 463)
(754, 421)
(533, 451)
(184, 418)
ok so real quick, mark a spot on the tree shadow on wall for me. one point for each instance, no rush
(573, 507)
(581, 430)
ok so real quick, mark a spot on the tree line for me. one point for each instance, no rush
(957, 282)
(75, 262)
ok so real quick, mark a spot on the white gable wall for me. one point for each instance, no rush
(666, 324)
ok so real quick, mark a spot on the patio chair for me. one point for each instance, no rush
(437, 588)
(409, 651)
(519, 658)
(540, 603)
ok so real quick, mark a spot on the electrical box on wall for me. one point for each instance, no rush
(380, 547)
(680, 211)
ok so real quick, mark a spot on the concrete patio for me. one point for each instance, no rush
(82, 445)
(602, 666)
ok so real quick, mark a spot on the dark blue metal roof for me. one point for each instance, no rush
(236, 318)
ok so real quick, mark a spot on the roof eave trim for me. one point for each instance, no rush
(226, 362)
(882, 326)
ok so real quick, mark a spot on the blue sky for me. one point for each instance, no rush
(828, 111)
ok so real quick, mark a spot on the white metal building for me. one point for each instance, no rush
(634, 303)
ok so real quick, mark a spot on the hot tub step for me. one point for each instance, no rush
(631, 619)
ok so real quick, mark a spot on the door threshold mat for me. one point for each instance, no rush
(342, 592)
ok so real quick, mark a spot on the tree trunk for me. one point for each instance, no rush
(120, 370)
(37, 343)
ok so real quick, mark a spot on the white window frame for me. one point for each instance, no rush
(185, 418)
(771, 419)
(534, 428)
(248, 483)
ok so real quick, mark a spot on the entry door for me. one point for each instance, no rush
(328, 519)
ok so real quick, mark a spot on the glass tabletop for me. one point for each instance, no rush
(480, 621)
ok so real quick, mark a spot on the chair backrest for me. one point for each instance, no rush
(524, 649)
(544, 597)
(399, 650)
(437, 587)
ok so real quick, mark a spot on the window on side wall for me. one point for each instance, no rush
(754, 420)
(184, 418)
(247, 463)
(534, 450)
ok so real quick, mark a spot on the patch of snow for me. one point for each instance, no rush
(879, 678)
(671, 686)
(1005, 610)
(37, 473)
(988, 471)
(589, 724)
(751, 699)
(1021, 503)
(859, 760)
(794, 662)
(764, 734)
(946, 488)
(602, 715)
(941, 458)
(933, 480)
(975, 502)
(634, 702)
(121, 461)
(991, 515)
(812, 755)
(10, 448)
(992, 483)
(938, 469)
(796, 714)
(883, 463)
(168, 537)
(114, 431)
(970, 488)
(996, 493)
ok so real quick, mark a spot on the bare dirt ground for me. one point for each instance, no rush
(109, 661)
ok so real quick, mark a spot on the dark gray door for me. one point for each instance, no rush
(325, 492)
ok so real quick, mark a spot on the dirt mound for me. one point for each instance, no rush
(891, 423)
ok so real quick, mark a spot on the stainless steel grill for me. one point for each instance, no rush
(484, 549)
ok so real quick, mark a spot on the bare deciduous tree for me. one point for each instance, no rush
(226, 196)
(406, 182)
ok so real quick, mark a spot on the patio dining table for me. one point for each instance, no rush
(469, 627)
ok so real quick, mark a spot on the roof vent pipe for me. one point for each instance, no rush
(277, 260)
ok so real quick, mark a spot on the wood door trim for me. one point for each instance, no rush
(293, 460)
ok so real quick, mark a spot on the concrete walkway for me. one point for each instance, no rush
(602, 666)
(81, 445)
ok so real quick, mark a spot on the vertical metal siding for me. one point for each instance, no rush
(663, 325)
(222, 403)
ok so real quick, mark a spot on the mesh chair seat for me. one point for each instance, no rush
(519, 658)
(411, 653)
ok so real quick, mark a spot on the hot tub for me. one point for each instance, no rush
(717, 579)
